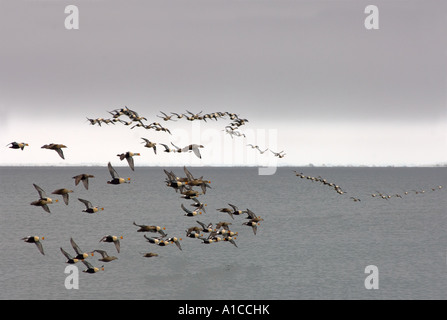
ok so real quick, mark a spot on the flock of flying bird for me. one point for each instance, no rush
(220, 231)
(377, 194)
(44, 201)
(135, 120)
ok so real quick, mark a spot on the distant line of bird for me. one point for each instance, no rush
(386, 196)
(325, 182)
(377, 194)
(280, 154)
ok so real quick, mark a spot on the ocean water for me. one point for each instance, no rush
(313, 243)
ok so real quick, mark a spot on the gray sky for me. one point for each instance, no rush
(329, 91)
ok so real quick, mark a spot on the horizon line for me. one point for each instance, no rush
(310, 165)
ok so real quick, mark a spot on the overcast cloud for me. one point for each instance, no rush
(308, 69)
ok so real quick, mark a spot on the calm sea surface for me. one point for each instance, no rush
(313, 243)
